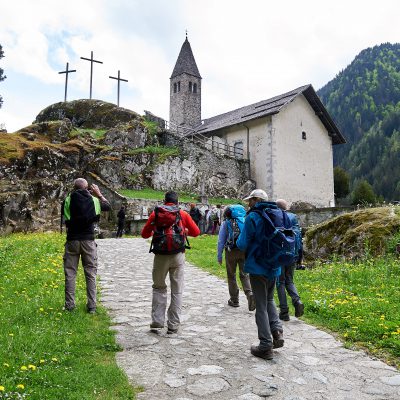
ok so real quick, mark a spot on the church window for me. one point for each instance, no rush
(179, 86)
(304, 135)
(194, 87)
(238, 149)
(175, 87)
(190, 87)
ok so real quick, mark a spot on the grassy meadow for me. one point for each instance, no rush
(358, 301)
(45, 352)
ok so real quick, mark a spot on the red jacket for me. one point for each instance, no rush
(191, 228)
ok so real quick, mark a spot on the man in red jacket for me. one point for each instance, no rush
(169, 226)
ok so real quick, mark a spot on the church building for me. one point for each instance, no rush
(287, 139)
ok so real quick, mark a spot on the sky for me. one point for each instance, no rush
(246, 51)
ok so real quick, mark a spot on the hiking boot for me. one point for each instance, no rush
(171, 331)
(252, 302)
(298, 309)
(284, 316)
(155, 326)
(233, 303)
(267, 354)
(278, 339)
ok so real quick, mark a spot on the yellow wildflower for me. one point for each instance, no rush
(20, 386)
(41, 361)
(6, 365)
(54, 359)
(32, 367)
(23, 368)
(2, 388)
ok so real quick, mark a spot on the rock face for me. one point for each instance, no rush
(113, 147)
(87, 114)
(354, 234)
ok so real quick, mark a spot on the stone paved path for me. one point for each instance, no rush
(209, 358)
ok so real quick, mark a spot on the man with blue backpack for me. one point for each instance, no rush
(285, 281)
(269, 243)
(230, 229)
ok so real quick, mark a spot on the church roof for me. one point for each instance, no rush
(273, 106)
(186, 62)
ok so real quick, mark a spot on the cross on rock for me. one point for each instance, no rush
(91, 69)
(119, 80)
(66, 72)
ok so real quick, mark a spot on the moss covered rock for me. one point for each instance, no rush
(94, 114)
(354, 234)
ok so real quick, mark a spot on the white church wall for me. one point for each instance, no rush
(261, 163)
(304, 166)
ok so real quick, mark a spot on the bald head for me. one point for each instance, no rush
(282, 204)
(80, 183)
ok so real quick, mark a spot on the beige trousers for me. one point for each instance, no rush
(172, 264)
(87, 251)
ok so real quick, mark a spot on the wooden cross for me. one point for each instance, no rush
(66, 72)
(91, 69)
(118, 79)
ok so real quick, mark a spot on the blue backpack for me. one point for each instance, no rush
(278, 242)
(297, 231)
(234, 224)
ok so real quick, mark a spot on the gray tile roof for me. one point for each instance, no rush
(273, 106)
(186, 62)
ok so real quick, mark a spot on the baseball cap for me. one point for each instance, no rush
(259, 193)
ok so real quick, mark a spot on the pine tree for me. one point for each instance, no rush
(363, 193)
(341, 182)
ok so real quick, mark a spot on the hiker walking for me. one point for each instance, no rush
(230, 229)
(169, 226)
(285, 283)
(81, 210)
(121, 222)
(253, 240)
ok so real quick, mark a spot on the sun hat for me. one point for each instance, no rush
(258, 193)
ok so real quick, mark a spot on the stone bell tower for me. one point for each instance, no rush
(185, 90)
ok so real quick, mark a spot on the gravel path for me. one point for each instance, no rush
(209, 358)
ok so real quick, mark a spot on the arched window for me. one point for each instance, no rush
(190, 87)
(238, 149)
(304, 135)
(194, 87)
(175, 87)
(179, 86)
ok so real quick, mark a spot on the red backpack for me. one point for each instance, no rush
(169, 235)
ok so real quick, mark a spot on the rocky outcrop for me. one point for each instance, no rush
(354, 234)
(115, 147)
(87, 114)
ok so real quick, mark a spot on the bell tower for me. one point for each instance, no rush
(185, 90)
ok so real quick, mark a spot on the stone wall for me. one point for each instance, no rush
(315, 216)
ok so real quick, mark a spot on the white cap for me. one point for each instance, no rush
(258, 193)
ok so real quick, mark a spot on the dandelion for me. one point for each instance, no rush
(32, 367)
(6, 365)
(2, 388)
(11, 334)
(24, 368)
(20, 386)
(41, 361)
(41, 309)
(54, 359)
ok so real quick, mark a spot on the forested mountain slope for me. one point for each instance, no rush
(364, 100)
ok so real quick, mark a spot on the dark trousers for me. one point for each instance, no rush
(285, 284)
(267, 319)
(234, 258)
(120, 229)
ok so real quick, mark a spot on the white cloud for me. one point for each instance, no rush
(245, 51)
